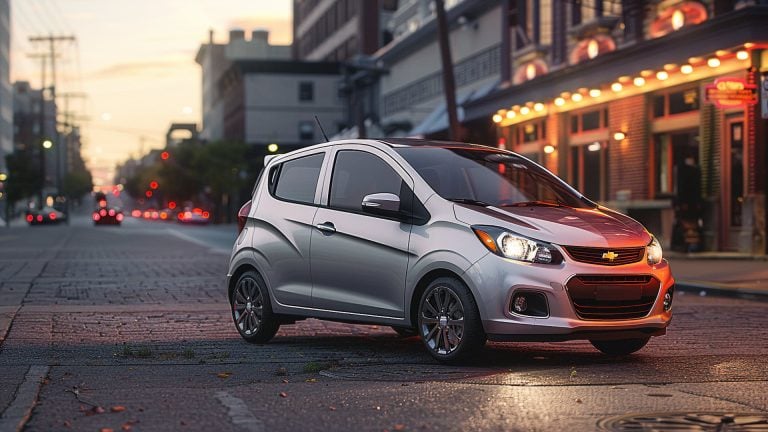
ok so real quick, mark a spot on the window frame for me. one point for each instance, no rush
(276, 170)
(387, 159)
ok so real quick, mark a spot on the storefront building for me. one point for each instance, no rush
(652, 108)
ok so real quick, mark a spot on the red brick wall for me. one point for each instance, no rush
(550, 160)
(629, 162)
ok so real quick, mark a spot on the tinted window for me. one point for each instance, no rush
(493, 177)
(357, 174)
(297, 179)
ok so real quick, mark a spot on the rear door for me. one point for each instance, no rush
(284, 226)
(359, 261)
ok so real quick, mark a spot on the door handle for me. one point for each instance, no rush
(326, 227)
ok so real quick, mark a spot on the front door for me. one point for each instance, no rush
(359, 261)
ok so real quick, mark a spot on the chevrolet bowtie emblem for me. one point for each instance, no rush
(610, 256)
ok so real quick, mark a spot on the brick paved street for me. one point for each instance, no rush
(136, 318)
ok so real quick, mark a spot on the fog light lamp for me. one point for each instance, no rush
(520, 304)
(668, 300)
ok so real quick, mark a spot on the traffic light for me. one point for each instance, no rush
(165, 155)
(153, 184)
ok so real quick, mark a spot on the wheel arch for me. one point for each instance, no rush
(422, 285)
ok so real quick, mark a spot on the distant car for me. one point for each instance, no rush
(196, 216)
(45, 216)
(167, 214)
(107, 216)
(151, 214)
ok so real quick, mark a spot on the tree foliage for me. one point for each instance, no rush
(24, 178)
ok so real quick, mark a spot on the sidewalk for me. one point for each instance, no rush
(731, 275)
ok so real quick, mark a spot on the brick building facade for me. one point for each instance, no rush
(649, 107)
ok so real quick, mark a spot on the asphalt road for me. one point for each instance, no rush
(128, 328)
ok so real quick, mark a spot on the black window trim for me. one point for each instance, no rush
(279, 167)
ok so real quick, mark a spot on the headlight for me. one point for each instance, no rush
(653, 251)
(517, 247)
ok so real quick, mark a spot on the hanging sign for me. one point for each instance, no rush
(730, 92)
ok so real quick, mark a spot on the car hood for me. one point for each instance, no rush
(591, 227)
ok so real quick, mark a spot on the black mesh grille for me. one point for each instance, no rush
(601, 256)
(613, 297)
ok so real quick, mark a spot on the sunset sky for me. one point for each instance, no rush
(134, 60)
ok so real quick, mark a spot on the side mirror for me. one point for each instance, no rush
(382, 204)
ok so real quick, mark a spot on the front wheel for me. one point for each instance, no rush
(449, 322)
(252, 310)
(620, 347)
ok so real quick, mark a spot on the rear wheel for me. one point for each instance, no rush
(620, 347)
(449, 322)
(251, 309)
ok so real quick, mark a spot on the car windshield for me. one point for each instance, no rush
(488, 177)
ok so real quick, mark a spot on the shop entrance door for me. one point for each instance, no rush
(734, 182)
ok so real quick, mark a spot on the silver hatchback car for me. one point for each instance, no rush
(455, 243)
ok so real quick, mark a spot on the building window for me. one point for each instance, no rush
(306, 91)
(589, 169)
(675, 102)
(676, 160)
(586, 121)
(306, 130)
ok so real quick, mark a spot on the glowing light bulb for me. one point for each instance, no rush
(713, 62)
(595, 93)
(511, 114)
(639, 81)
(497, 118)
(662, 75)
(559, 101)
(577, 97)
(742, 55)
(616, 87)
(548, 149)
(686, 69)
(538, 107)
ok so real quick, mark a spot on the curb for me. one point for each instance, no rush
(707, 288)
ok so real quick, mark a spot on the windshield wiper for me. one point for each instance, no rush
(469, 201)
(536, 204)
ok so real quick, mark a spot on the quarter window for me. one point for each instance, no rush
(357, 174)
(296, 180)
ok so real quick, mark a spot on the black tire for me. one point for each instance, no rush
(435, 315)
(620, 347)
(252, 310)
(405, 332)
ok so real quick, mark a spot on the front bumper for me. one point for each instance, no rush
(495, 280)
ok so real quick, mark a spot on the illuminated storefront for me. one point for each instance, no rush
(668, 129)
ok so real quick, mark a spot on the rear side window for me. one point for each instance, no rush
(357, 174)
(296, 180)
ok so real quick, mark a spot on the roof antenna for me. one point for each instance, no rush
(321, 129)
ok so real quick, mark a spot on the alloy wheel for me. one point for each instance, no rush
(248, 306)
(441, 320)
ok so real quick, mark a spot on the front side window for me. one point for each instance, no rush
(489, 177)
(357, 174)
(296, 179)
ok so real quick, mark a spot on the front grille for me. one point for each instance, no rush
(592, 255)
(613, 297)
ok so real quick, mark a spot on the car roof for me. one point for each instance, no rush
(418, 142)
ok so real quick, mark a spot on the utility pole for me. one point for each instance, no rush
(52, 40)
(449, 83)
(41, 118)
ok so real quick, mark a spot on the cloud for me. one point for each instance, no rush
(156, 68)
